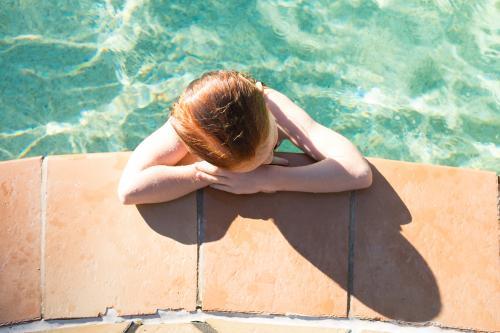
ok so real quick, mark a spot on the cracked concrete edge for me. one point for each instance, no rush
(354, 325)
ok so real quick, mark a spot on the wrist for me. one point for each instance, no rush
(269, 179)
(194, 175)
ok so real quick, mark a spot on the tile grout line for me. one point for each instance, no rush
(199, 240)
(350, 256)
(132, 327)
(498, 198)
(43, 220)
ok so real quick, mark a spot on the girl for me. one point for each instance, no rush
(222, 133)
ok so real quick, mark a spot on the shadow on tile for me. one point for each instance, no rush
(175, 219)
(390, 276)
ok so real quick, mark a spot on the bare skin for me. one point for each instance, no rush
(161, 168)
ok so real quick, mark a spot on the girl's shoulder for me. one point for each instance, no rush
(290, 118)
(162, 147)
(299, 127)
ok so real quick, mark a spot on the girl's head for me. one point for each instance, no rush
(222, 118)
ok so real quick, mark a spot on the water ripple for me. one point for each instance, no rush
(417, 81)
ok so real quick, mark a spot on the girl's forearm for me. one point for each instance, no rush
(159, 183)
(327, 175)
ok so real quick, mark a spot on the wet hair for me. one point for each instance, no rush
(222, 118)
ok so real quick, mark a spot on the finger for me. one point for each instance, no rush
(209, 168)
(200, 175)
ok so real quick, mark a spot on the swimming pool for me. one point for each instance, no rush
(416, 82)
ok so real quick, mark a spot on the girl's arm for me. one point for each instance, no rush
(328, 175)
(340, 165)
(151, 175)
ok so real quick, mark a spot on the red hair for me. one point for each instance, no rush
(222, 118)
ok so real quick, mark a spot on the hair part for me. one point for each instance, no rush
(222, 118)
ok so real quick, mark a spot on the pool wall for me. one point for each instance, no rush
(418, 250)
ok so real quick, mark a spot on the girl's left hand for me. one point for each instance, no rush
(234, 182)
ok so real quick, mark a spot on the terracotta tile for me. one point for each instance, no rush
(193, 327)
(233, 326)
(92, 328)
(426, 246)
(283, 252)
(100, 253)
(20, 182)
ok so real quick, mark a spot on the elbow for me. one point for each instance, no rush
(364, 177)
(124, 196)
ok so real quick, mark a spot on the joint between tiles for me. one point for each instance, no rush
(43, 222)
(350, 256)
(498, 198)
(199, 241)
(133, 327)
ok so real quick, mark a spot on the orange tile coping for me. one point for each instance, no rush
(20, 240)
(227, 326)
(95, 328)
(426, 246)
(260, 252)
(101, 254)
(420, 245)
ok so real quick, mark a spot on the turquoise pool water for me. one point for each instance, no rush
(410, 81)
